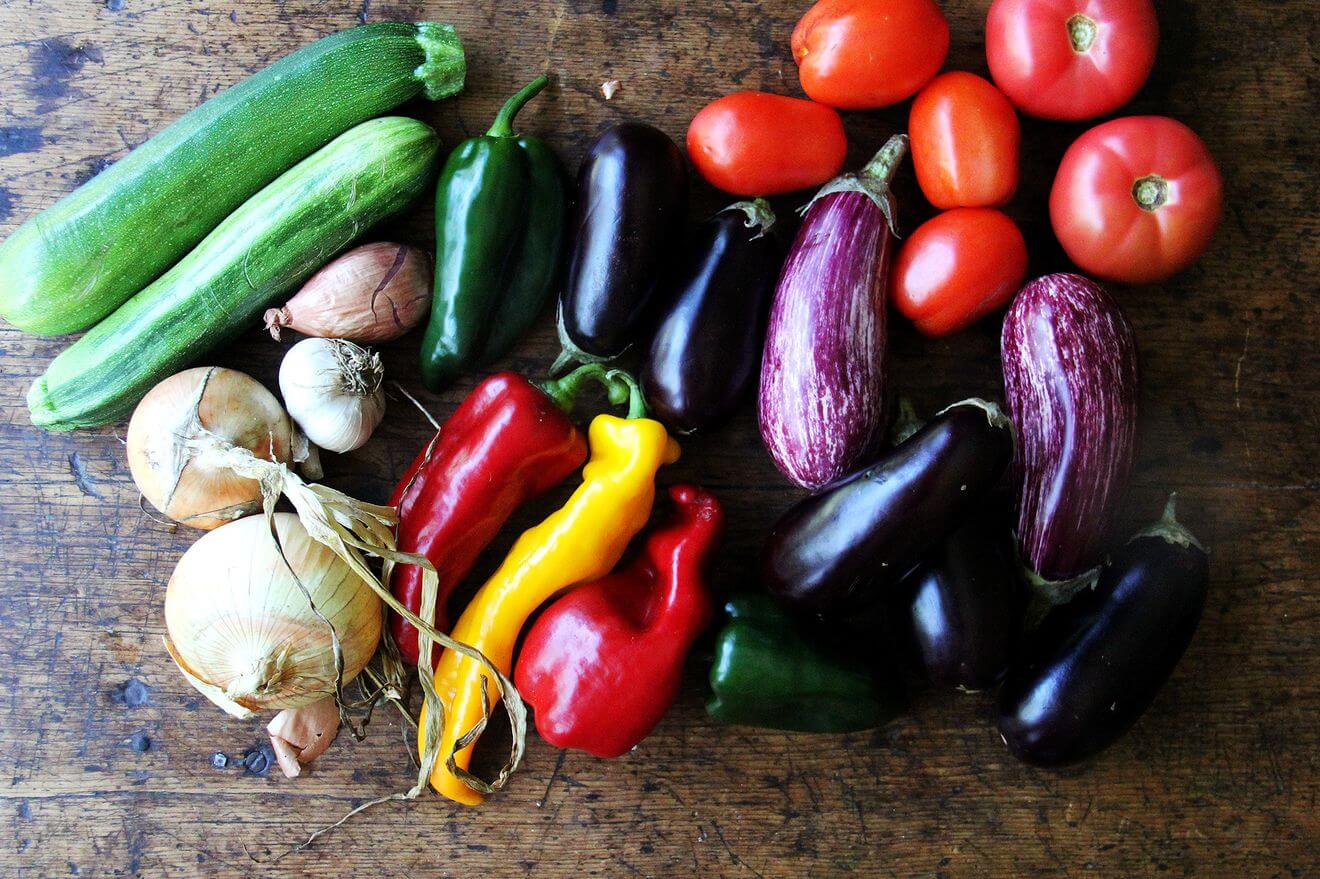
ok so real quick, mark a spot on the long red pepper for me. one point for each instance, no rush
(507, 442)
(603, 664)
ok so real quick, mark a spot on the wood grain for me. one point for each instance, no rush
(1218, 780)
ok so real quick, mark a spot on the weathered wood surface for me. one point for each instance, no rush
(1219, 779)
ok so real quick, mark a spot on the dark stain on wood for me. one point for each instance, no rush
(6, 204)
(15, 139)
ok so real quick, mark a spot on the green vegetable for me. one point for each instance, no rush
(499, 231)
(768, 674)
(82, 258)
(264, 249)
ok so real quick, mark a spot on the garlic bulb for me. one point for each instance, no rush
(187, 415)
(373, 293)
(243, 631)
(332, 388)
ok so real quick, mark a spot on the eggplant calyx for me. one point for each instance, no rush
(1169, 529)
(759, 215)
(1060, 591)
(570, 353)
(872, 181)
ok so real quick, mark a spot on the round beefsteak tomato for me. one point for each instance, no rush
(1070, 59)
(1136, 199)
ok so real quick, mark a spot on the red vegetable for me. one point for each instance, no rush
(1070, 59)
(507, 442)
(824, 398)
(964, 142)
(861, 54)
(1136, 199)
(753, 143)
(956, 268)
(1070, 382)
(602, 665)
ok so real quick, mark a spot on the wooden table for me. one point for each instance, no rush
(110, 751)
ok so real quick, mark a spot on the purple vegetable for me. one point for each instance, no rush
(1070, 382)
(823, 404)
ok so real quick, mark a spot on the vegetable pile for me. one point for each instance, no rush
(251, 220)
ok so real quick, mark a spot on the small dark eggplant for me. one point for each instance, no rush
(839, 550)
(963, 607)
(632, 194)
(1070, 387)
(1095, 664)
(706, 353)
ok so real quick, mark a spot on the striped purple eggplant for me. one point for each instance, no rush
(1070, 383)
(823, 401)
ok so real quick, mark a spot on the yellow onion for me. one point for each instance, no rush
(186, 417)
(248, 636)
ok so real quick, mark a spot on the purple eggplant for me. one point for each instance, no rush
(706, 353)
(1095, 665)
(632, 193)
(962, 607)
(1070, 384)
(823, 402)
(841, 549)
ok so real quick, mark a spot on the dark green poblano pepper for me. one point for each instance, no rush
(767, 673)
(499, 220)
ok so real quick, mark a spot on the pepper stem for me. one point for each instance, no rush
(620, 388)
(625, 383)
(564, 391)
(503, 124)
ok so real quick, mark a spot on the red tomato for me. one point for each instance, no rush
(964, 142)
(1136, 199)
(860, 54)
(1070, 59)
(753, 143)
(956, 268)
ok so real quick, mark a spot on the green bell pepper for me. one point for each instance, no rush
(767, 673)
(499, 220)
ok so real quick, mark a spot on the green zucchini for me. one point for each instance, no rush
(270, 245)
(80, 259)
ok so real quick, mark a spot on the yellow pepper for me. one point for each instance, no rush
(581, 541)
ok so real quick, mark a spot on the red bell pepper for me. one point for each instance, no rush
(507, 442)
(602, 664)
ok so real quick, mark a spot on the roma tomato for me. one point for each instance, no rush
(1136, 199)
(753, 143)
(861, 54)
(956, 268)
(964, 142)
(1070, 59)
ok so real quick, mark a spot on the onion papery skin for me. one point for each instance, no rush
(239, 622)
(208, 400)
(1070, 384)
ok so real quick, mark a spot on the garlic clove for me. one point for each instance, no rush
(300, 735)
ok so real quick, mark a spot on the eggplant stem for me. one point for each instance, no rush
(1169, 529)
(872, 181)
(759, 215)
